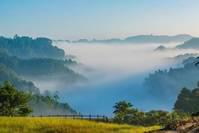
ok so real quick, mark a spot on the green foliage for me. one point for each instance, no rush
(19, 103)
(125, 113)
(163, 117)
(13, 102)
(122, 109)
(188, 101)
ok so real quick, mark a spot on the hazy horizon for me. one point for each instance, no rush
(66, 19)
(91, 38)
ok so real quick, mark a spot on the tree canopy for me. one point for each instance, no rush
(13, 102)
(188, 101)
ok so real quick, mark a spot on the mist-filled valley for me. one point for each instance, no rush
(89, 77)
(117, 72)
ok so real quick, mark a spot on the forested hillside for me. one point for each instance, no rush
(41, 68)
(24, 60)
(27, 47)
(168, 82)
(7, 74)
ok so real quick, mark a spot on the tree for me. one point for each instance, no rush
(13, 102)
(121, 110)
(187, 101)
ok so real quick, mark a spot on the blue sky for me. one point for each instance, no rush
(74, 19)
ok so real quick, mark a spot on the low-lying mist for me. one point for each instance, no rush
(116, 72)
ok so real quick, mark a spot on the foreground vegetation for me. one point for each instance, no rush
(186, 105)
(125, 112)
(14, 102)
(188, 101)
(64, 125)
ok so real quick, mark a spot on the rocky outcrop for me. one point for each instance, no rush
(186, 126)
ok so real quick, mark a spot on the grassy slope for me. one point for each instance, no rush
(63, 125)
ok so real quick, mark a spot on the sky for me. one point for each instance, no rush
(75, 19)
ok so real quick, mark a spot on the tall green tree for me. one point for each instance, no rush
(13, 102)
(188, 101)
(121, 110)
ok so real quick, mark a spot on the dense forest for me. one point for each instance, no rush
(168, 82)
(14, 102)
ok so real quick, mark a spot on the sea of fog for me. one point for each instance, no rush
(116, 72)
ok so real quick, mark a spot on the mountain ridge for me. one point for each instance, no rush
(190, 44)
(137, 39)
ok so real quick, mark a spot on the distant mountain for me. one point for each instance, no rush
(182, 58)
(81, 41)
(26, 47)
(68, 41)
(160, 48)
(157, 38)
(114, 40)
(140, 39)
(190, 44)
